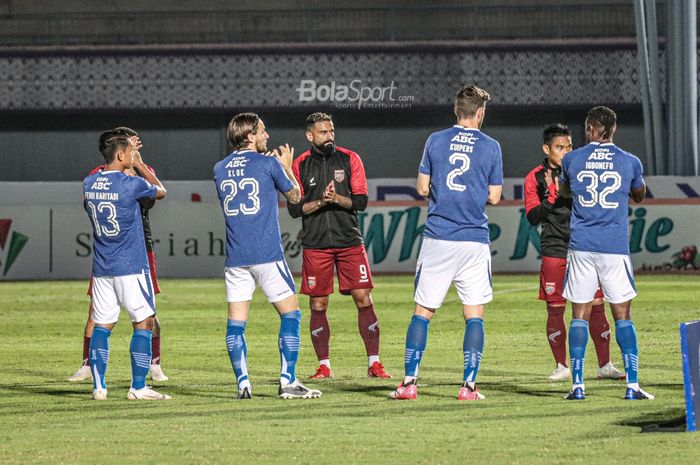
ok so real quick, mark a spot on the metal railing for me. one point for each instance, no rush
(409, 23)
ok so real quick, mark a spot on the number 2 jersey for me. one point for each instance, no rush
(601, 177)
(247, 183)
(462, 163)
(111, 199)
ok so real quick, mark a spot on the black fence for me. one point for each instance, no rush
(406, 23)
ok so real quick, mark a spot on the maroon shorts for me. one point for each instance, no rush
(152, 269)
(350, 262)
(552, 274)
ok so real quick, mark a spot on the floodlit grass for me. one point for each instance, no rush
(44, 419)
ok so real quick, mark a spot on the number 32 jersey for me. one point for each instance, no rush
(112, 204)
(601, 177)
(247, 184)
(462, 163)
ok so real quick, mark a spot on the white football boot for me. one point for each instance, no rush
(608, 371)
(99, 394)
(156, 373)
(146, 393)
(560, 373)
(81, 375)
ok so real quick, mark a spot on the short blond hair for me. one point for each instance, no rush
(469, 99)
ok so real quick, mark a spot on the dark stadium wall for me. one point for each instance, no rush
(185, 145)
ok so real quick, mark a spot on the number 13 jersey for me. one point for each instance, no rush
(112, 203)
(601, 177)
(462, 163)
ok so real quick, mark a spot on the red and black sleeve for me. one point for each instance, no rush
(358, 183)
(535, 209)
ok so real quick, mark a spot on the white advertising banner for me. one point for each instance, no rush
(379, 189)
(54, 241)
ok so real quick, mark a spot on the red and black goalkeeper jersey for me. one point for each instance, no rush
(145, 205)
(330, 226)
(554, 237)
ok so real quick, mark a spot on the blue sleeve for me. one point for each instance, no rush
(637, 173)
(496, 174)
(282, 182)
(564, 176)
(142, 188)
(424, 167)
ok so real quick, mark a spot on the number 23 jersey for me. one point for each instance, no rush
(247, 183)
(462, 163)
(601, 177)
(112, 203)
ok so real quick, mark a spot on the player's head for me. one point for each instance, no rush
(128, 132)
(321, 132)
(556, 139)
(247, 131)
(471, 103)
(114, 145)
(601, 124)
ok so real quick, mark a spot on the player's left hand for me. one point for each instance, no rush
(285, 155)
(136, 142)
(329, 195)
(552, 186)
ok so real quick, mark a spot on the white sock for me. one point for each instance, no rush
(372, 359)
(578, 386)
(325, 361)
(634, 386)
(244, 384)
(409, 379)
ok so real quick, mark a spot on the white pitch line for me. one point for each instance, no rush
(516, 289)
(504, 291)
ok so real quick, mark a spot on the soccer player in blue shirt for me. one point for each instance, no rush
(120, 271)
(461, 171)
(247, 182)
(601, 177)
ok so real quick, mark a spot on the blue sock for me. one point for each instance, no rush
(416, 340)
(99, 356)
(140, 357)
(626, 336)
(289, 342)
(237, 350)
(473, 347)
(578, 338)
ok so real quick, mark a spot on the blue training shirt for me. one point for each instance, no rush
(112, 203)
(462, 163)
(247, 183)
(601, 177)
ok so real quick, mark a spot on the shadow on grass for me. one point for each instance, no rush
(666, 421)
(48, 388)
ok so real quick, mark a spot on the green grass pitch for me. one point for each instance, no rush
(524, 420)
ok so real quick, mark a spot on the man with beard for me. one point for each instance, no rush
(247, 182)
(334, 188)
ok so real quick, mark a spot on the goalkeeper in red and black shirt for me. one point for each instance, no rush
(334, 188)
(155, 371)
(545, 207)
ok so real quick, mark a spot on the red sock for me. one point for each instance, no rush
(320, 333)
(369, 328)
(556, 333)
(86, 350)
(600, 333)
(155, 350)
